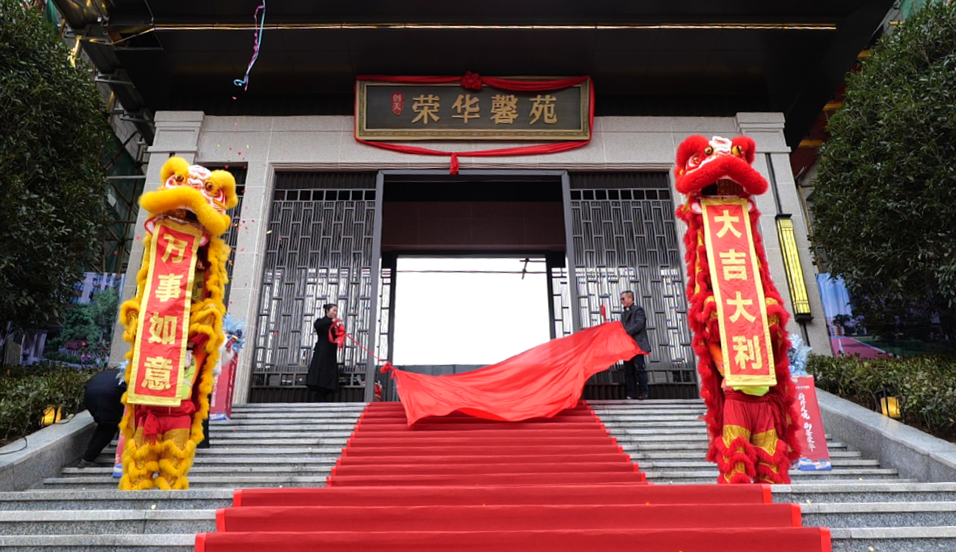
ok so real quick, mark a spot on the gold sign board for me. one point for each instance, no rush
(406, 111)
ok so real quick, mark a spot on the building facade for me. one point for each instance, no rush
(315, 225)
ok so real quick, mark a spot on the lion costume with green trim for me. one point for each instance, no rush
(160, 441)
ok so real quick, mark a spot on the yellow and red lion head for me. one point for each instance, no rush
(717, 167)
(193, 194)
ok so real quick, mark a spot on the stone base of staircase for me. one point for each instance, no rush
(865, 503)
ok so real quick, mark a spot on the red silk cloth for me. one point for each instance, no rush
(537, 383)
(473, 81)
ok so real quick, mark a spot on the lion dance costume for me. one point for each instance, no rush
(736, 314)
(175, 324)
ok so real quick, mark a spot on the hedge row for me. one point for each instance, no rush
(26, 391)
(925, 384)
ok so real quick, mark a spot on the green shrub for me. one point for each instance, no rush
(26, 391)
(926, 385)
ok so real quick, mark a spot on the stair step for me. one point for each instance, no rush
(648, 402)
(284, 433)
(655, 455)
(126, 522)
(864, 491)
(892, 539)
(115, 500)
(648, 445)
(263, 468)
(97, 543)
(246, 443)
(880, 514)
(284, 415)
(696, 430)
(838, 465)
(333, 425)
(224, 461)
(844, 474)
(645, 419)
(259, 451)
(301, 405)
(713, 480)
(199, 481)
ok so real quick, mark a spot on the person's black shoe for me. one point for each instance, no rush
(86, 464)
(641, 397)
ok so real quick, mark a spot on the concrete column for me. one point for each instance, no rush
(177, 134)
(767, 131)
(247, 267)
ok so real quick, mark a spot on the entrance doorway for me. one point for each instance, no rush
(338, 237)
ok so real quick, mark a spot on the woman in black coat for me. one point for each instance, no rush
(323, 376)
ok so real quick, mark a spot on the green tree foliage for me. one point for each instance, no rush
(90, 323)
(79, 324)
(52, 185)
(885, 199)
(105, 311)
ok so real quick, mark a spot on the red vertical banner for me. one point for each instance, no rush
(810, 433)
(159, 358)
(738, 292)
(220, 407)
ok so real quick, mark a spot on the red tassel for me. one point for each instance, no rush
(454, 164)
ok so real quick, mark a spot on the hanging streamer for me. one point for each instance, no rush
(244, 82)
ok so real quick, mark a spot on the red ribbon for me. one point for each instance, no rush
(472, 81)
(337, 333)
(340, 337)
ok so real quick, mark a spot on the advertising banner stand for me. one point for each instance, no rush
(811, 435)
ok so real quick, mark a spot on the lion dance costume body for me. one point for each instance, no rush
(175, 324)
(750, 419)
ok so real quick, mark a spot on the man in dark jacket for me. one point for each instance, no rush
(103, 398)
(635, 324)
(323, 376)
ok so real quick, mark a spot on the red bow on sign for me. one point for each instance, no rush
(471, 81)
(337, 333)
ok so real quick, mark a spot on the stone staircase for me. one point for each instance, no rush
(868, 508)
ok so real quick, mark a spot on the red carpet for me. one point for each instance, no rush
(460, 484)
